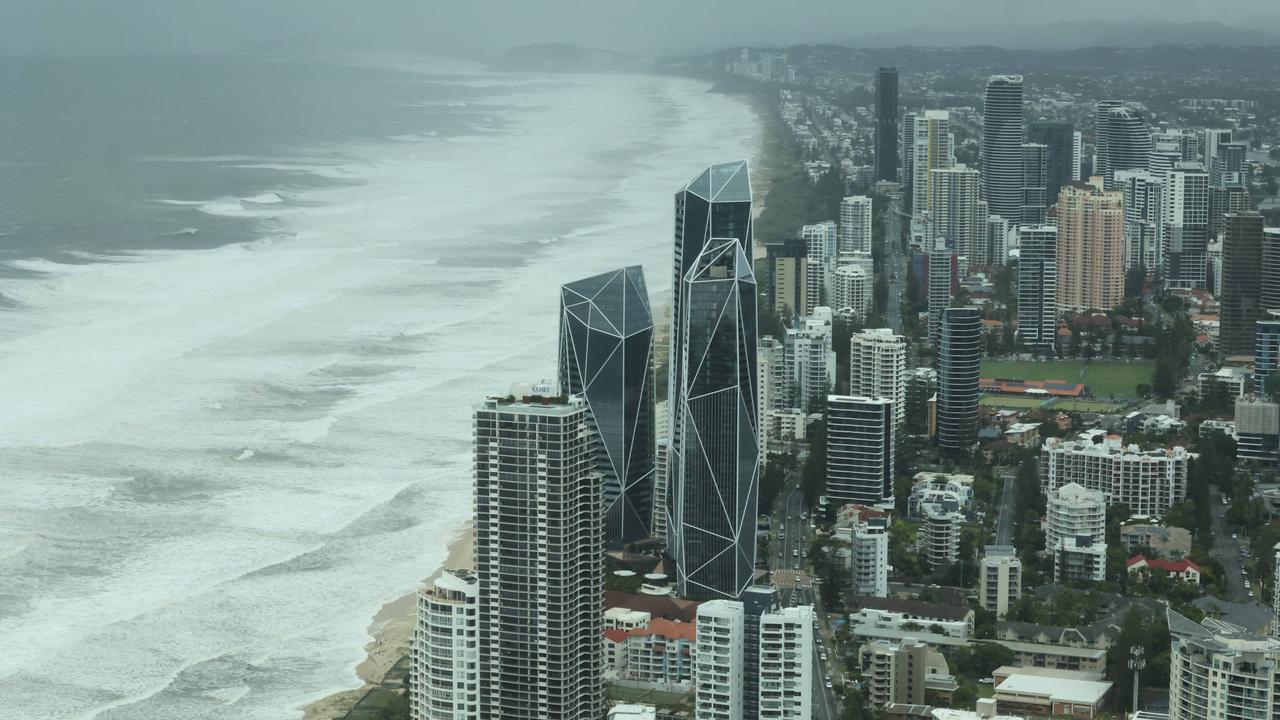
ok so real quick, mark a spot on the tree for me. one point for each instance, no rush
(1134, 278)
(1165, 381)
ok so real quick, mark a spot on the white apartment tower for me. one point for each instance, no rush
(1147, 481)
(878, 368)
(999, 579)
(1073, 511)
(540, 622)
(1184, 227)
(851, 291)
(717, 664)
(855, 224)
(953, 210)
(444, 671)
(786, 664)
(869, 556)
(940, 535)
(932, 148)
(1220, 671)
(1143, 203)
(810, 360)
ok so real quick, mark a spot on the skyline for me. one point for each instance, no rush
(75, 27)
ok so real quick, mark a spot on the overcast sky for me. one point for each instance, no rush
(486, 27)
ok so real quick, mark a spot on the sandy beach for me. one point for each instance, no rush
(391, 630)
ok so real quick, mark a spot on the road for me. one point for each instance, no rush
(1004, 518)
(894, 262)
(790, 545)
(1227, 549)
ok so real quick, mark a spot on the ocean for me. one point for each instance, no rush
(246, 307)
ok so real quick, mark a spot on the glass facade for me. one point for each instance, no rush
(606, 355)
(715, 452)
(959, 362)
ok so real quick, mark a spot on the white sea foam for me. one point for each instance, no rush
(218, 464)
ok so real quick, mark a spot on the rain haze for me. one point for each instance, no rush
(485, 28)
(269, 267)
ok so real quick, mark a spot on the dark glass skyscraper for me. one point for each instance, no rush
(1241, 288)
(1058, 138)
(1002, 146)
(711, 527)
(1035, 182)
(606, 355)
(959, 362)
(887, 124)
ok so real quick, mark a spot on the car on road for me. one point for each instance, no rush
(1235, 536)
(828, 684)
(987, 681)
(795, 553)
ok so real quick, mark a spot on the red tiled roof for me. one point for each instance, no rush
(1172, 566)
(668, 629)
(616, 635)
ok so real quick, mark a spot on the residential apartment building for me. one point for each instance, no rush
(444, 671)
(999, 579)
(786, 666)
(1219, 671)
(1148, 481)
(878, 368)
(860, 449)
(1090, 250)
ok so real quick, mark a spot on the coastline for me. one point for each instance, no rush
(390, 630)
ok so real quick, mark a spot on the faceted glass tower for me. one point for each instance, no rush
(606, 355)
(711, 533)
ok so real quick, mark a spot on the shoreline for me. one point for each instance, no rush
(390, 630)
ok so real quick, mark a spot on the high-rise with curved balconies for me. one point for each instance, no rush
(711, 526)
(1123, 141)
(1002, 146)
(959, 362)
(606, 355)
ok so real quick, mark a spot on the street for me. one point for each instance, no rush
(1004, 518)
(1227, 549)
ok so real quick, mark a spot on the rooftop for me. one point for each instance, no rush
(918, 609)
(1053, 687)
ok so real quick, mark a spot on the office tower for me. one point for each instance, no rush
(711, 526)
(1124, 142)
(715, 204)
(1220, 671)
(756, 600)
(1077, 157)
(997, 246)
(1266, 352)
(1170, 148)
(887, 124)
(999, 579)
(1035, 183)
(1001, 146)
(1090, 247)
(953, 208)
(791, 280)
(1037, 287)
(959, 361)
(851, 290)
(539, 622)
(1072, 510)
(821, 242)
(606, 355)
(786, 680)
(878, 368)
(869, 555)
(1148, 481)
(811, 360)
(860, 444)
(1143, 200)
(1258, 432)
(943, 280)
(855, 224)
(933, 148)
(1228, 166)
(1270, 280)
(443, 678)
(1241, 289)
(718, 663)
(1062, 163)
(1184, 227)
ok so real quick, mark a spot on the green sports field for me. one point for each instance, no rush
(1103, 379)
(1011, 401)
